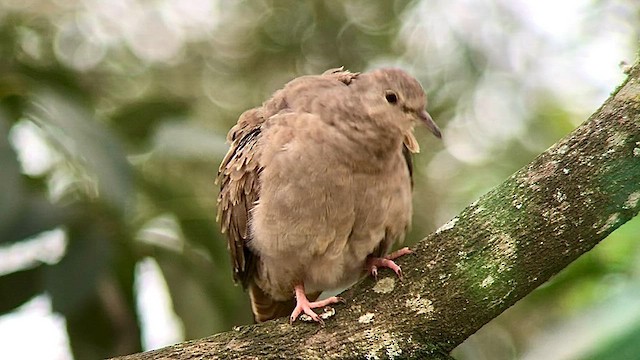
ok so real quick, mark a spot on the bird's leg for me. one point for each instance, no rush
(373, 263)
(303, 305)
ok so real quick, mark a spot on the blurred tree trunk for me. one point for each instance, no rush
(495, 252)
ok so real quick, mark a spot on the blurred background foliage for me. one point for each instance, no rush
(113, 116)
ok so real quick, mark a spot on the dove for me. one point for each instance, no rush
(316, 186)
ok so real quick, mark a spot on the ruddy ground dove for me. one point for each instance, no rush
(316, 186)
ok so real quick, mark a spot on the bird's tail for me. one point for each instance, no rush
(265, 308)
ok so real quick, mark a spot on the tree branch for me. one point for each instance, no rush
(495, 252)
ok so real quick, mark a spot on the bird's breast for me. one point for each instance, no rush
(319, 217)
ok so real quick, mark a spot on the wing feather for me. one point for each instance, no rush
(239, 172)
(238, 177)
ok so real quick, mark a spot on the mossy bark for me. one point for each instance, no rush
(495, 252)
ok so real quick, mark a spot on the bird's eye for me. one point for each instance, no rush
(391, 97)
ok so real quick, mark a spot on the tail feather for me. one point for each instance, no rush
(265, 308)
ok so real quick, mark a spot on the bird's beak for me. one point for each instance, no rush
(426, 118)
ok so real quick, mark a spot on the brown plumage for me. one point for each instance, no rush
(316, 186)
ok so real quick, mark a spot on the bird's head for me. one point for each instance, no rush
(396, 98)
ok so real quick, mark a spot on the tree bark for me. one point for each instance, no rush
(495, 252)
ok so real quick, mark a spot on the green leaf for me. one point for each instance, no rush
(136, 121)
(10, 181)
(73, 281)
(19, 287)
(102, 327)
(92, 286)
(37, 215)
(25, 210)
(88, 142)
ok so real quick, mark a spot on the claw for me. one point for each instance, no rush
(304, 306)
(387, 261)
(374, 271)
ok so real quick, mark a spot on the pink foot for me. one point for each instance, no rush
(304, 306)
(374, 263)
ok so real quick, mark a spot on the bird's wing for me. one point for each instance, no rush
(238, 177)
(239, 172)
